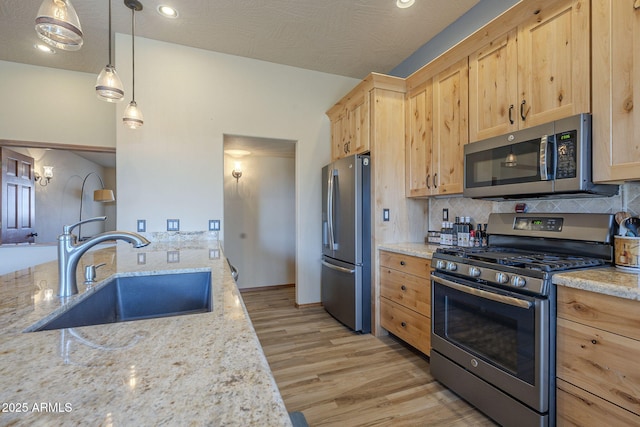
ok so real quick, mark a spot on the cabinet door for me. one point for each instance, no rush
(553, 56)
(493, 90)
(418, 141)
(450, 127)
(337, 124)
(616, 67)
(358, 118)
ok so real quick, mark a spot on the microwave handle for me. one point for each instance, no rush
(545, 149)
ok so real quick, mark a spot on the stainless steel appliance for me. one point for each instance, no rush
(550, 159)
(494, 310)
(346, 241)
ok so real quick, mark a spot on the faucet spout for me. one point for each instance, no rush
(70, 252)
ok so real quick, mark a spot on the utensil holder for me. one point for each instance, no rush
(627, 253)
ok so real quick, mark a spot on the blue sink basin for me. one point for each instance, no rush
(138, 297)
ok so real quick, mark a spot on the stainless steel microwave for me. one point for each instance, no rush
(549, 160)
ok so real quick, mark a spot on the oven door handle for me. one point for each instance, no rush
(516, 302)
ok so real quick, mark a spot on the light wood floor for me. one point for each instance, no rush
(339, 378)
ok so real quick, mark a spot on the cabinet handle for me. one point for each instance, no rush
(429, 175)
(403, 287)
(522, 110)
(403, 324)
(435, 180)
(402, 263)
(511, 110)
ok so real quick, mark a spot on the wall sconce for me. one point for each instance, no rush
(237, 171)
(47, 174)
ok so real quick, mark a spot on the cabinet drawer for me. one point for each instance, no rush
(411, 327)
(576, 407)
(409, 264)
(606, 312)
(605, 364)
(406, 289)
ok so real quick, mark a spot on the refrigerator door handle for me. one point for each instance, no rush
(338, 268)
(330, 208)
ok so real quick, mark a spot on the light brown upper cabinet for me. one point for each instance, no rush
(536, 73)
(436, 130)
(350, 124)
(450, 128)
(615, 69)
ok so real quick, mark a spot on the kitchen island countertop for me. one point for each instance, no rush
(198, 369)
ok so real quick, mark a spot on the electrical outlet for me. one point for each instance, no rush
(385, 214)
(445, 214)
(142, 225)
(214, 225)
(173, 256)
(173, 225)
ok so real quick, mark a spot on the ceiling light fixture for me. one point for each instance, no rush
(403, 4)
(44, 48)
(57, 24)
(167, 11)
(108, 85)
(132, 115)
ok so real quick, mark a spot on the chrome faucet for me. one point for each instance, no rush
(70, 251)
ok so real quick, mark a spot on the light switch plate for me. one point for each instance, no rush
(385, 214)
(173, 256)
(142, 225)
(173, 225)
(214, 225)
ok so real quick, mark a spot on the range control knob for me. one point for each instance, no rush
(502, 278)
(474, 272)
(440, 264)
(518, 281)
(452, 266)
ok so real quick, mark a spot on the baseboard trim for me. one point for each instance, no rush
(312, 304)
(267, 288)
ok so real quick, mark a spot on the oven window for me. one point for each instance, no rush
(512, 164)
(500, 334)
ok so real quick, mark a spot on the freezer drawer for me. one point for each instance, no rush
(344, 296)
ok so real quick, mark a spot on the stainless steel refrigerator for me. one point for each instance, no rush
(346, 241)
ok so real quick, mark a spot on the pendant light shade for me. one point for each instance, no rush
(57, 24)
(109, 86)
(132, 115)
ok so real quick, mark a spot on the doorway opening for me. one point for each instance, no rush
(259, 210)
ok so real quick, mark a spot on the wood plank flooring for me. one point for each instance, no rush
(339, 378)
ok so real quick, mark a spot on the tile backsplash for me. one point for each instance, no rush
(627, 199)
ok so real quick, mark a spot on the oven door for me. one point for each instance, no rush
(510, 165)
(499, 336)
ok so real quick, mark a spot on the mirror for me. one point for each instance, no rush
(69, 194)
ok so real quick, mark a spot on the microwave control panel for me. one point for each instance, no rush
(566, 150)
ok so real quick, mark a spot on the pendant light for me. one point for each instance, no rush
(58, 25)
(109, 86)
(132, 115)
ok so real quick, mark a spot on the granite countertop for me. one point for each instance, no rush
(608, 281)
(419, 250)
(198, 369)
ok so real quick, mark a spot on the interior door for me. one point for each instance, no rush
(18, 198)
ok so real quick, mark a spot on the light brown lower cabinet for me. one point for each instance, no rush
(598, 359)
(405, 298)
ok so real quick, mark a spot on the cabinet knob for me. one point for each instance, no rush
(403, 324)
(402, 263)
(403, 287)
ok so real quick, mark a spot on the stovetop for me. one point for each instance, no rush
(501, 256)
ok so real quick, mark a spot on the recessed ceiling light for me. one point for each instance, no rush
(167, 11)
(44, 48)
(403, 4)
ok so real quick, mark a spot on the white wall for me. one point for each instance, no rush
(259, 213)
(49, 105)
(172, 167)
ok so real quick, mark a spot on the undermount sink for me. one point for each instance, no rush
(136, 297)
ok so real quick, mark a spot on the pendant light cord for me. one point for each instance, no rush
(110, 59)
(133, 54)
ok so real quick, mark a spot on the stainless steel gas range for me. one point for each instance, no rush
(494, 310)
